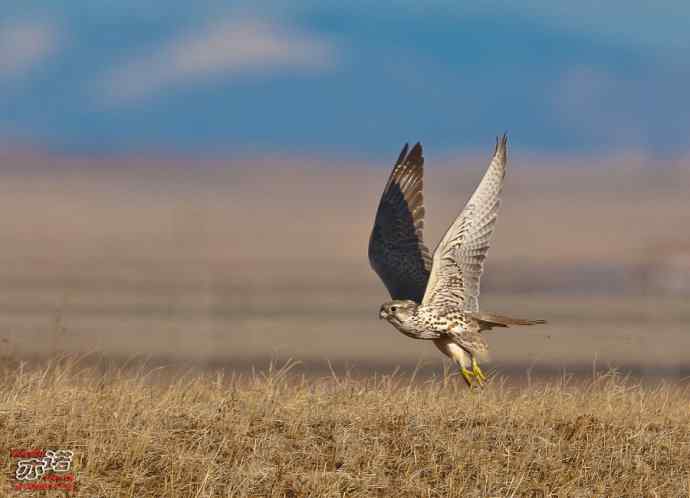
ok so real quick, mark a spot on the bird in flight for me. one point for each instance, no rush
(437, 298)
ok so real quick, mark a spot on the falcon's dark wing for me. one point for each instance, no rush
(396, 248)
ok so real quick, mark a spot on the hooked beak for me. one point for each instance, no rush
(382, 314)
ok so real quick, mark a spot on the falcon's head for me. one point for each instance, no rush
(398, 311)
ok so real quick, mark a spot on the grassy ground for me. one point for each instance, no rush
(277, 434)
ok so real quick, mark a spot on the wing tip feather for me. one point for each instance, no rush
(414, 157)
(403, 153)
(416, 154)
(501, 147)
(409, 170)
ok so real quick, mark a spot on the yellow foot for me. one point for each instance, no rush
(477, 371)
(467, 375)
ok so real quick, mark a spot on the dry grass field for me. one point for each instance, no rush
(276, 434)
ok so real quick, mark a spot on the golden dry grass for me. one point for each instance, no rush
(276, 434)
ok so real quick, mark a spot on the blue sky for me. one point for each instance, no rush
(353, 77)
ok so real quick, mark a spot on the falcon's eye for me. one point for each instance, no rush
(394, 308)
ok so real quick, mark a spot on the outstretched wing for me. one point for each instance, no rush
(459, 258)
(396, 249)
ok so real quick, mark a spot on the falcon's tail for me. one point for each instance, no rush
(487, 321)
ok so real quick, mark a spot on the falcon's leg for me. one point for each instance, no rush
(477, 371)
(464, 362)
(453, 350)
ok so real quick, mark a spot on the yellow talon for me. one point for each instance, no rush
(477, 371)
(467, 375)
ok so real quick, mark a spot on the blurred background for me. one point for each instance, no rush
(195, 183)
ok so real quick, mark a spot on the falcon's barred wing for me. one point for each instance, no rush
(459, 258)
(396, 249)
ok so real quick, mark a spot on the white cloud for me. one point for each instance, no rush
(25, 44)
(222, 48)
